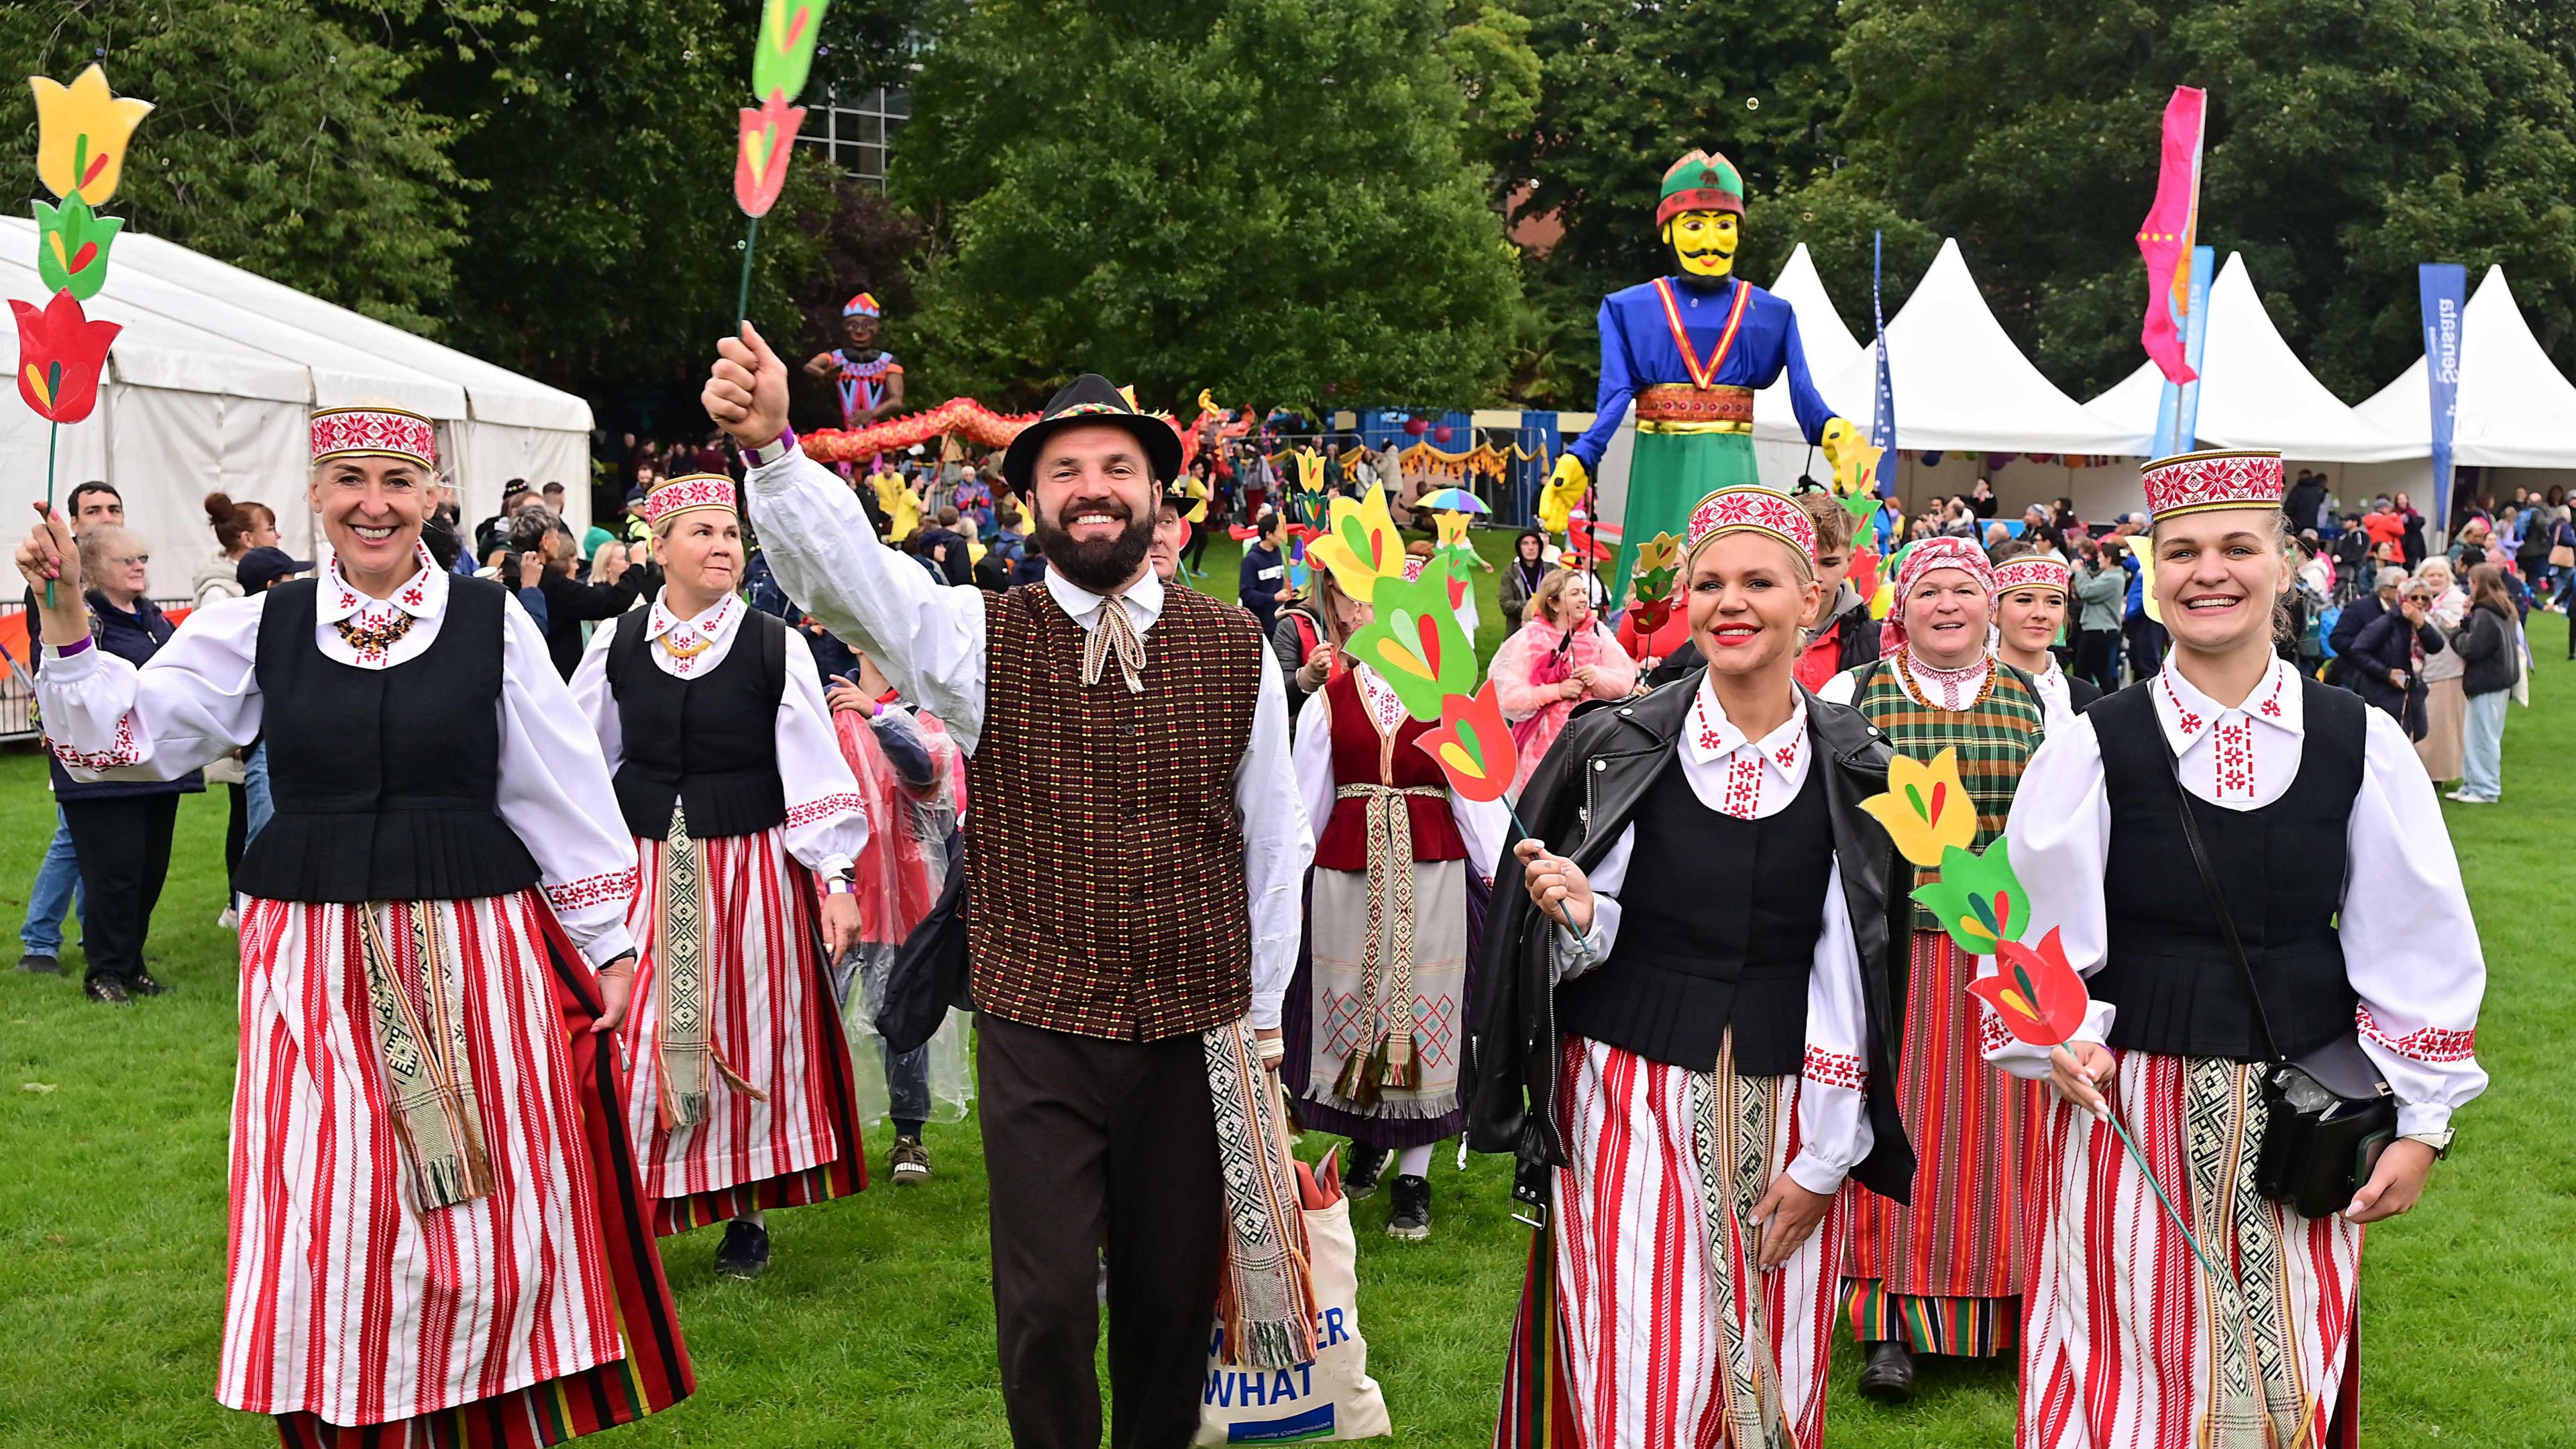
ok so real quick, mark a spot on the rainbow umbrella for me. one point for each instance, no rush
(1453, 500)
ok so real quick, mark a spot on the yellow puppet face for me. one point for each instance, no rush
(1704, 241)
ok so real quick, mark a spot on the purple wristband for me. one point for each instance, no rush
(68, 650)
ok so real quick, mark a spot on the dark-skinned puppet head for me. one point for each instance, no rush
(1701, 215)
(860, 319)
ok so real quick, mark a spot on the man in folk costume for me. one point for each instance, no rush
(2031, 595)
(2345, 930)
(1690, 350)
(711, 716)
(1133, 856)
(437, 1234)
(1403, 864)
(1942, 1272)
(1688, 1087)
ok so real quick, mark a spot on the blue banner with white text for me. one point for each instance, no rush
(2444, 287)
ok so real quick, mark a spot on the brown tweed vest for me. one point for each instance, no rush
(1103, 855)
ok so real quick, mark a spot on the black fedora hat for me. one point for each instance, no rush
(1088, 400)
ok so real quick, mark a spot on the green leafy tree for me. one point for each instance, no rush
(1266, 197)
(2347, 141)
(281, 141)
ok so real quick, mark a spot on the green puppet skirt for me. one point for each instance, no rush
(1667, 474)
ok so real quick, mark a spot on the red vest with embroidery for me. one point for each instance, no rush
(1363, 756)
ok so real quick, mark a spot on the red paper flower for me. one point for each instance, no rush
(760, 162)
(1473, 745)
(2035, 994)
(60, 356)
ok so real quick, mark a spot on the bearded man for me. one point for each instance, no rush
(1134, 859)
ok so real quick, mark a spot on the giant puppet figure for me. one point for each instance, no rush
(1689, 349)
(868, 379)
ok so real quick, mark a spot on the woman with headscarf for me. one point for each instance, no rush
(1376, 1019)
(711, 717)
(2245, 864)
(1942, 1273)
(1690, 1081)
(435, 1221)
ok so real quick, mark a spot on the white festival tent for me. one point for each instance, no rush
(214, 377)
(2255, 393)
(2515, 409)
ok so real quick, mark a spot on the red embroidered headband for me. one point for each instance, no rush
(1763, 510)
(689, 490)
(374, 432)
(2031, 571)
(2197, 482)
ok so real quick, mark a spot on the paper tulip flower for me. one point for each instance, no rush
(2036, 995)
(1415, 643)
(1978, 899)
(1361, 546)
(1473, 745)
(71, 247)
(60, 356)
(760, 164)
(785, 49)
(81, 134)
(1926, 808)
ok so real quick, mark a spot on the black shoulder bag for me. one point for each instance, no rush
(2328, 1114)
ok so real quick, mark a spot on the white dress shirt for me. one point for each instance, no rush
(2056, 699)
(1480, 823)
(199, 698)
(1752, 780)
(2410, 946)
(825, 829)
(928, 640)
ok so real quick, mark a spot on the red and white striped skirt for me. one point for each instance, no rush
(2129, 1342)
(773, 1023)
(541, 1303)
(1657, 1343)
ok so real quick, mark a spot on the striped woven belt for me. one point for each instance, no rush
(1681, 407)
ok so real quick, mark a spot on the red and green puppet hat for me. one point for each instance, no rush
(1700, 181)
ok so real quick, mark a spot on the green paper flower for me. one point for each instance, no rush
(1415, 642)
(71, 247)
(1977, 898)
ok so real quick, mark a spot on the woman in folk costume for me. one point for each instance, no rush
(1725, 1055)
(2324, 841)
(1377, 1025)
(436, 1235)
(2031, 591)
(1941, 1273)
(712, 720)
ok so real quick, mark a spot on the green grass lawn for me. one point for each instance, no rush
(874, 1323)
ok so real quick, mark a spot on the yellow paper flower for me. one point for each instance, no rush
(1926, 808)
(1360, 545)
(81, 134)
(1449, 528)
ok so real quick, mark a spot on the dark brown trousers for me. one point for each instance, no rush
(1093, 1144)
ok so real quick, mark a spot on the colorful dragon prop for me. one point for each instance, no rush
(963, 417)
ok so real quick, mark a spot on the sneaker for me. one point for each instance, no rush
(1411, 1219)
(106, 991)
(1359, 1179)
(909, 1162)
(40, 963)
(744, 1253)
(230, 920)
(143, 985)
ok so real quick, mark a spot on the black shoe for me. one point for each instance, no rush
(1411, 1219)
(37, 963)
(744, 1252)
(107, 991)
(142, 984)
(1367, 1164)
(1887, 1371)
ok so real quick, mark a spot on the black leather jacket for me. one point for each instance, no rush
(1582, 796)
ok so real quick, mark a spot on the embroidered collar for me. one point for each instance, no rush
(1384, 705)
(708, 625)
(422, 596)
(1083, 606)
(2187, 713)
(1712, 736)
(1951, 689)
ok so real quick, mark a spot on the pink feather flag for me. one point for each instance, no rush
(2166, 237)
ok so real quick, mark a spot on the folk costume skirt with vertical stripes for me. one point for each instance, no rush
(2129, 1341)
(1941, 1274)
(778, 1113)
(1645, 1323)
(530, 1311)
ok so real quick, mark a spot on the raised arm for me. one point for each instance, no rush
(197, 700)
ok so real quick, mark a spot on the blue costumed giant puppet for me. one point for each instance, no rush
(1689, 350)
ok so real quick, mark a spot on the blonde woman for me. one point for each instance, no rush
(1561, 656)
